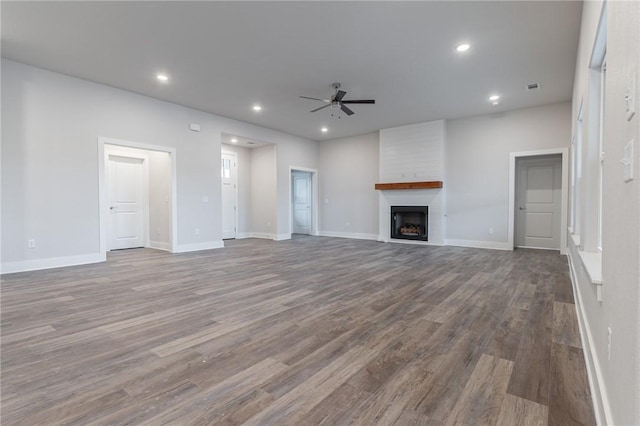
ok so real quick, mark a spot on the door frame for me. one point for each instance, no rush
(555, 161)
(235, 155)
(108, 151)
(564, 197)
(314, 199)
(307, 177)
(102, 189)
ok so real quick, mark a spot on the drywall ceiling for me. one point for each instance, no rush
(235, 140)
(224, 57)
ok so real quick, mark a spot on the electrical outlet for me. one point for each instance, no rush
(609, 334)
(158, 231)
(31, 244)
(347, 224)
(197, 231)
(490, 231)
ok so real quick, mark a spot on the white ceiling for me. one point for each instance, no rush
(242, 141)
(222, 57)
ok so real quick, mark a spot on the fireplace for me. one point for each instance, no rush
(410, 222)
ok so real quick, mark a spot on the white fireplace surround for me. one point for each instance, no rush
(412, 153)
(412, 197)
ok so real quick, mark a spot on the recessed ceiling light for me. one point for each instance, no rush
(324, 130)
(494, 98)
(494, 103)
(234, 140)
(257, 108)
(463, 47)
(162, 77)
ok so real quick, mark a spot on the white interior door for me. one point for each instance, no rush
(538, 204)
(301, 203)
(229, 195)
(126, 202)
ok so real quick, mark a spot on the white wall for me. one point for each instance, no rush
(51, 124)
(477, 166)
(348, 173)
(291, 151)
(617, 381)
(296, 155)
(244, 187)
(160, 199)
(264, 192)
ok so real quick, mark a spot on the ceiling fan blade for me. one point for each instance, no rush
(360, 101)
(346, 110)
(322, 107)
(339, 95)
(316, 99)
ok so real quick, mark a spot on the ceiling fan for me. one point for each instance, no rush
(337, 101)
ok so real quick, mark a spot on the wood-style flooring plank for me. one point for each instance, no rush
(565, 325)
(295, 404)
(530, 377)
(309, 331)
(522, 412)
(481, 399)
(570, 399)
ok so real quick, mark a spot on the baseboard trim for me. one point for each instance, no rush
(263, 235)
(493, 245)
(594, 373)
(352, 235)
(160, 245)
(52, 262)
(209, 245)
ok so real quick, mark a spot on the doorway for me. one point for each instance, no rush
(229, 179)
(303, 187)
(301, 202)
(128, 200)
(538, 191)
(538, 199)
(137, 196)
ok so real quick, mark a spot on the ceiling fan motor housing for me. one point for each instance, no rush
(337, 102)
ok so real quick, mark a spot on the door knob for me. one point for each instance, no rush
(112, 207)
(522, 208)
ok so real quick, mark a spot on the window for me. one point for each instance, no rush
(576, 199)
(603, 75)
(226, 168)
(589, 160)
(572, 202)
(593, 162)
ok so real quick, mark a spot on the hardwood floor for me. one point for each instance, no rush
(302, 332)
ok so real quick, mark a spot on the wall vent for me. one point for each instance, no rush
(533, 86)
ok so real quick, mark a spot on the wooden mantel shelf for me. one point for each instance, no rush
(410, 185)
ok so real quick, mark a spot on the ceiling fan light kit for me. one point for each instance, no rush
(337, 101)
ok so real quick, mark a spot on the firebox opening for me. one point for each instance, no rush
(410, 222)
